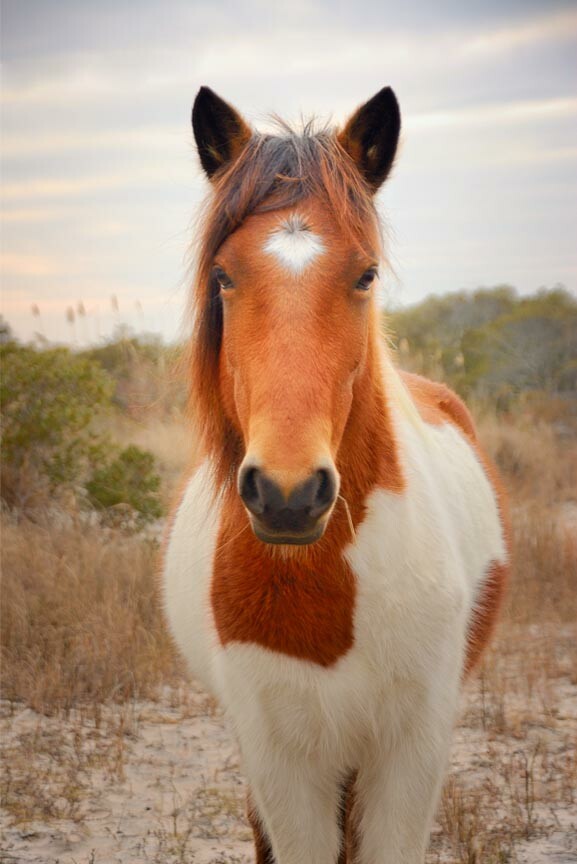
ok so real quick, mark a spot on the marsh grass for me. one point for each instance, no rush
(83, 639)
(520, 720)
(81, 625)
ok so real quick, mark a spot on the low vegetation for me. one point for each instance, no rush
(491, 343)
(83, 640)
(54, 404)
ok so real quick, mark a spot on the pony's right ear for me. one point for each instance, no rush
(219, 131)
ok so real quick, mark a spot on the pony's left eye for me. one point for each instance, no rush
(222, 279)
(367, 279)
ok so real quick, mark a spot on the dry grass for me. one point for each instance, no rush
(81, 625)
(170, 439)
(49, 765)
(515, 765)
(81, 631)
(82, 639)
(539, 468)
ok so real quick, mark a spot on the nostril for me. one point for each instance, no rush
(324, 484)
(325, 492)
(250, 492)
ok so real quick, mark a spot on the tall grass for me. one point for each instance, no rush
(80, 619)
(82, 629)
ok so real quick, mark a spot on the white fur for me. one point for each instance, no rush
(385, 709)
(187, 570)
(294, 245)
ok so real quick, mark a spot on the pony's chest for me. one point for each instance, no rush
(378, 606)
(318, 608)
(291, 604)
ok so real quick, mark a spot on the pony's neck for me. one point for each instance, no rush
(369, 454)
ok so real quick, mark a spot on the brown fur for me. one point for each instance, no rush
(286, 600)
(332, 403)
(333, 398)
(271, 173)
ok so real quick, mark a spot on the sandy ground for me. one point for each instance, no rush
(177, 792)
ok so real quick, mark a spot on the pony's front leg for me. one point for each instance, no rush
(396, 793)
(299, 810)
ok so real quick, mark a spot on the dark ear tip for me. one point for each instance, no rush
(204, 95)
(387, 97)
(204, 104)
(205, 92)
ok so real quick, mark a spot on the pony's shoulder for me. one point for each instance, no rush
(438, 404)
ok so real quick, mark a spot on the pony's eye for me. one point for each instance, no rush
(222, 279)
(367, 279)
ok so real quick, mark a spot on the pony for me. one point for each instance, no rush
(336, 560)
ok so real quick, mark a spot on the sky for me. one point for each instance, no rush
(101, 183)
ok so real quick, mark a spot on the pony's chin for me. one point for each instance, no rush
(272, 538)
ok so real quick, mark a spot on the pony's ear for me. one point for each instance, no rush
(219, 131)
(371, 135)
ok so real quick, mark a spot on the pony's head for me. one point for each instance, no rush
(285, 311)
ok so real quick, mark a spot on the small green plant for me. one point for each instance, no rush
(128, 478)
(49, 400)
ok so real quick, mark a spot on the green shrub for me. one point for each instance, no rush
(491, 342)
(48, 400)
(128, 478)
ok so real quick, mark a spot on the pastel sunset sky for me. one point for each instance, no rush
(101, 183)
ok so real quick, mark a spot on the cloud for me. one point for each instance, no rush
(141, 175)
(35, 189)
(144, 138)
(555, 27)
(32, 214)
(324, 48)
(504, 113)
(27, 265)
(98, 162)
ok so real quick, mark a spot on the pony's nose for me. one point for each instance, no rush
(295, 514)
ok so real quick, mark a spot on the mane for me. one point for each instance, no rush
(272, 172)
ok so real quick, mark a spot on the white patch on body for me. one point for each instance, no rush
(294, 245)
(386, 709)
(187, 571)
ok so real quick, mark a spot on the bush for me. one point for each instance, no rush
(144, 372)
(492, 343)
(49, 400)
(129, 478)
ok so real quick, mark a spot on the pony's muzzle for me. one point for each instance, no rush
(295, 517)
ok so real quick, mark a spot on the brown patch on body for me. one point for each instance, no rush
(438, 404)
(486, 612)
(300, 605)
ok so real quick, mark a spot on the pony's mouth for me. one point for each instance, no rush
(294, 518)
(265, 535)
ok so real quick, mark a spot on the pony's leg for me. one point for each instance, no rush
(346, 823)
(396, 796)
(262, 845)
(299, 812)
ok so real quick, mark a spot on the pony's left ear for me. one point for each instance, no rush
(219, 131)
(371, 135)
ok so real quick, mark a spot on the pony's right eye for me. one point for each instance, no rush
(222, 279)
